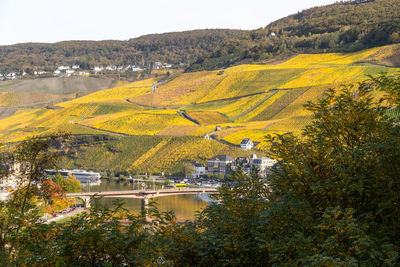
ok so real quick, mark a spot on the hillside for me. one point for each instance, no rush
(341, 27)
(161, 130)
(35, 93)
(175, 47)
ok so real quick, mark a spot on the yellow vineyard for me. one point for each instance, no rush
(245, 101)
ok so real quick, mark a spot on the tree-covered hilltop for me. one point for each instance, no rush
(175, 47)
(341, 27)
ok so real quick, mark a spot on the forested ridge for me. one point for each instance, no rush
(341, 27)
(175, 48)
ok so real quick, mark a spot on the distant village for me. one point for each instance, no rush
(75, 70)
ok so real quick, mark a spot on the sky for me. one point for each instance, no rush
(52, 21)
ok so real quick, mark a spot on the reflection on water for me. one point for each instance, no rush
(184, 206)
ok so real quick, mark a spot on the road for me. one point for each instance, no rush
(66, 215)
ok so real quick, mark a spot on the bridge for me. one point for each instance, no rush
(144, 195)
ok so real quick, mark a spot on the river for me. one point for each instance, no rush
(184, 206)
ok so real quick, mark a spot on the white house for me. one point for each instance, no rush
(111, 68)
(134, 68)
(157, 65)
(246, 144)
(97, 69)
(75, 67)
(63, 68)
(199, 170)
(57, 72)
(207, 137)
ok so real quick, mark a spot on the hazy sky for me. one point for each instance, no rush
(53, 20)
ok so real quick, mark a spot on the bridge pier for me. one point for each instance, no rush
(86, 202)
(145, 203)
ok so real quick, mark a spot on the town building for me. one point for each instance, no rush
(61, 68)
(220, 164)
(111, 68)
(244, 162)
(246, 144)
(263, 164)
(157, 65)
(199, 170)
(12, 181)
(97, 69)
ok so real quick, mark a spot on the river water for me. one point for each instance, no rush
(184, 206)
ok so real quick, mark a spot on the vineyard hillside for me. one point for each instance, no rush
(158, 124)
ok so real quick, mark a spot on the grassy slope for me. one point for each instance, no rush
(246, 100)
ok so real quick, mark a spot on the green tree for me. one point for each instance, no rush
(30, 159)
(69, 184)
(344, 175)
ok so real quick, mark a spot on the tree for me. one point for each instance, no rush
(31, 157)
(69, 184)
(343, 174)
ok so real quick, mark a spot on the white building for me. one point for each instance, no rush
(63, 68)
(134, 68)
(157, 65)
(12, 76)
(57, 72)
(75, 67)
(246, 144)
(12, 181)
(264, 164)
(199, 170)
(97, 69)
(111, 67)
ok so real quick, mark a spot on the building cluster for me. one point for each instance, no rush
(114, 68)
(224, 164)
(13, 180)
(67, 71)
(75, 70)
(158, 65)
(11, 76)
